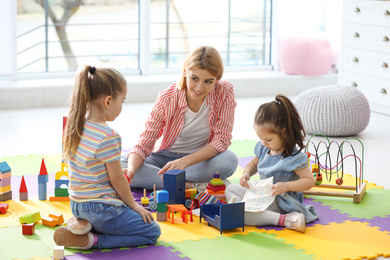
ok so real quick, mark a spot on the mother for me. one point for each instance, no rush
(195, 120)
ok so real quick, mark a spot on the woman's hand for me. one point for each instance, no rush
(179, 164)
(145, 214)
(244, 180)
(279, 188)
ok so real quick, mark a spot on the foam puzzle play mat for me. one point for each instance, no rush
(353, 223)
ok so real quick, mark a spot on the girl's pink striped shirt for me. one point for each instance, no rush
(167, 119)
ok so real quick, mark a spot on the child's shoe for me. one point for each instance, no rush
(78, 226)
(64, 237)
(295, 220)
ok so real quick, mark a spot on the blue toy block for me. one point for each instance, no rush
(4, 168)
(223, 216)
(58, 184)
(174, 183)
(43, 178)
(42, 193)
(162, 196)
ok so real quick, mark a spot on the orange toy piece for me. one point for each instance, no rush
(339, 181)
(175, 208)
(53, 220)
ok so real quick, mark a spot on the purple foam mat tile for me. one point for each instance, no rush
(244, 161)
(326, 214)
(150, 252)
(382, 223)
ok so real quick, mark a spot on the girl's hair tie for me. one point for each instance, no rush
(92, 70)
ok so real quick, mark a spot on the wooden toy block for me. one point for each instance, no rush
(162, 207)
(5, 175)
(6, 196)
(23, 196)
(193, 193)
(5, 189)
(63, 172)
(59, 183)
(59, 199)
(216, 182)
(28, 229)
(42, 193)
(59, 192)
(162, 196)
(4, 168)
(30, 218)
(161, 216)
(58, 252)
(43, 179)
(144, 199)
(174, 183)
(23, 192)
(53, 220)
(5, 182)
(217, 179)
(188, 194)
(217, 175)
(3, 208)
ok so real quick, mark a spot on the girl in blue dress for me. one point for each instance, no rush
(279, 155)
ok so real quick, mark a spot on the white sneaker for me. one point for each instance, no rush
(295, 220)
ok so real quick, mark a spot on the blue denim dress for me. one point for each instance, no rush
(282, 169)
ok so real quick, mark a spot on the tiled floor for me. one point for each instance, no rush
(38, 131)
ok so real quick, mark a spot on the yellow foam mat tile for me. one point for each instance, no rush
(194, 230)
(330, 241)
(19, 208)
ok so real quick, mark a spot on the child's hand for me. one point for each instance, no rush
(244, 180)
(279, 188)
(145, 214)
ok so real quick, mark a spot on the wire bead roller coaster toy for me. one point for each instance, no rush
(325, 167)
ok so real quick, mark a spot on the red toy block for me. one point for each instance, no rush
(28, 229)
(3, 208)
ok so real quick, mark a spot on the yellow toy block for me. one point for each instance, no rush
(144, 199)
(62, 172)
(30, 218)
(216, 182)
(5, 189)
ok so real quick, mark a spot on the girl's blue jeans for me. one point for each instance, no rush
(116, 225)
(224, 163)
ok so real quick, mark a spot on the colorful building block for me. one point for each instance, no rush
(162, 207)
(4, 168)
(174, 183)
(161, 216)
(61, 184)
(6, 196)
(30, 218)
(162, 196)
(3, 208)
(42, 181)
(58, 252)
(28, 229)
(5, 182)
(23, 192)
(53, 220)
(144, 199)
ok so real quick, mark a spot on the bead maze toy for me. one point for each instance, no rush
(322, 165)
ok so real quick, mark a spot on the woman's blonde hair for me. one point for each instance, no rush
(90, 84)
(203, 57)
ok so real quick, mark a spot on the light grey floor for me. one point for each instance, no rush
(38, 131)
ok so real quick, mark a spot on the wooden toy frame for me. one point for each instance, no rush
(360, 186)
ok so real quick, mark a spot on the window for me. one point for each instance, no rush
(59, 35)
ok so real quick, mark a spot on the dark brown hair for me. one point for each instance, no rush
(283, 118)
(90, 84)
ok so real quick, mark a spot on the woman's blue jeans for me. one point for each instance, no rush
(224, 163)
(116, 225)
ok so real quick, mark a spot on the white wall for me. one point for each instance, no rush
(7, 38)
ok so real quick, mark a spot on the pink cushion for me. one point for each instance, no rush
(308, 54)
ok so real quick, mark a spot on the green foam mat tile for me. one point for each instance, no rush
(375, 203)
(31, 164)
(243, 148)
(254, 245)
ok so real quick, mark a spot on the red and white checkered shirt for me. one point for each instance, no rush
(167, 119)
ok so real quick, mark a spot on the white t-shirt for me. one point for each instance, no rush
(195, 132)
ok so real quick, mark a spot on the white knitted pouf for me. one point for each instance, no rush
(333, 110)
